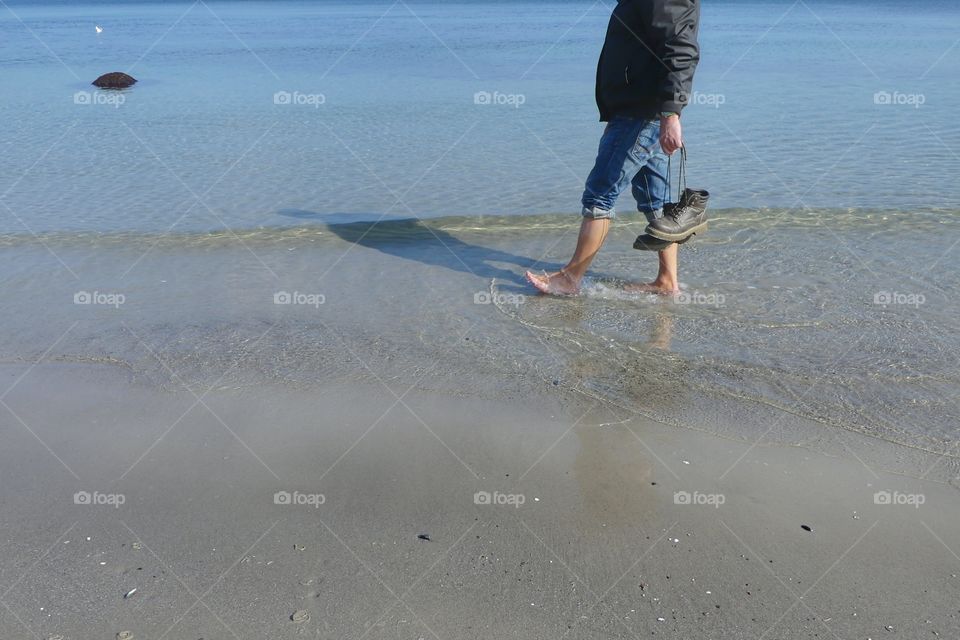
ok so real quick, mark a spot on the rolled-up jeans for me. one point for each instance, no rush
(629, 155)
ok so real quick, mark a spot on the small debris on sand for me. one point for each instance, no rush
(424, 536)
(129, 593)
(299, 616)
(125, 635)
(806, 527)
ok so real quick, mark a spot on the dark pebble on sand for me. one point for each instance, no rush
(424, 536)
(556, 383)
(806, 527)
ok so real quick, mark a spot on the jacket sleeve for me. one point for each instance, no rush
(678, 22)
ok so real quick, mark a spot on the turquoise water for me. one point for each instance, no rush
(198, 197)
(382, 117)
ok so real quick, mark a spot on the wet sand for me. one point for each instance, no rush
(426, 456)
(587, 533)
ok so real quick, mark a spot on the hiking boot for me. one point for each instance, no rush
(682, 219)
(646, 242)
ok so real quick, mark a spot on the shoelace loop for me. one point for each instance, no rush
(682, 181)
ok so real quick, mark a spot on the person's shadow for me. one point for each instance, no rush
(410, 239)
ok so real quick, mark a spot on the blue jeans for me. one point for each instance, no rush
(630, 155)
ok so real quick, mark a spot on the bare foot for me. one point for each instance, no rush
(558, 284)
(657, 287)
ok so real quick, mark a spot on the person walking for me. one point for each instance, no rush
(644, 80)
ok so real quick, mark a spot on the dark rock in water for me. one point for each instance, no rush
(424, 536)
(115, 80)
(806, 527)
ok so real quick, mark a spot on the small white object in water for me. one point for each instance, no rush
(686, 462)
(99, 29)
(129, 593)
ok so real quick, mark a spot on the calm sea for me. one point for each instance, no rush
(259, 114)
(263, 137)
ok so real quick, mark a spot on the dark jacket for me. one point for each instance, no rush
(648, 58)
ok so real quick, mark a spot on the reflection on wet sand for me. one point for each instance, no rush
(613, 468)
(614, 473)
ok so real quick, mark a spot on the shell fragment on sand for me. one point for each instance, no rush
(115, 80)
(299, 616)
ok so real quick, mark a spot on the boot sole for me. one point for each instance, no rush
(676, 237)
(643, 247)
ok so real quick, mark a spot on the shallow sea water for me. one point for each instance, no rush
(788, 313)
(382, 118)
(823, 289)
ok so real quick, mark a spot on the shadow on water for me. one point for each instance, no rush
(411, 239)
